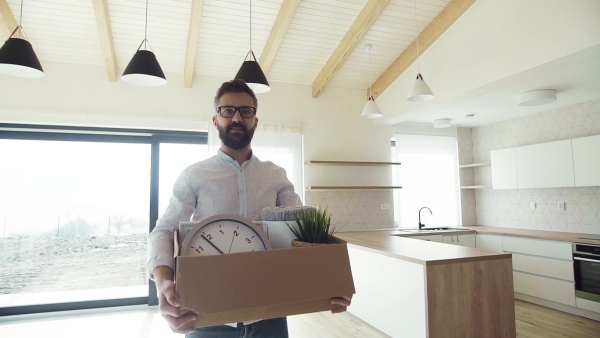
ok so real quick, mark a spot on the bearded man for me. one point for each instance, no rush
(232, 182)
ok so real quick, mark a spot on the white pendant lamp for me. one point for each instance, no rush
(17, 57)
(371, 110)
(420, 90)
(250, 70)
(143, 69)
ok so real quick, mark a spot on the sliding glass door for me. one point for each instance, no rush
(75, 214)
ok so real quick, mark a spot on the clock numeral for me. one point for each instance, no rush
(221, 231)
(199, 249)
(209, 236)
(235, 233)
(248, 240)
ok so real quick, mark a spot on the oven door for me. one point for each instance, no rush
(587, 276)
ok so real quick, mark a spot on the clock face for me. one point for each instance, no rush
(223, 234)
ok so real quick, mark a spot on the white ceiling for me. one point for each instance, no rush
(66, 31)
(576, 78)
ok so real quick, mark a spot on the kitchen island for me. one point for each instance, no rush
(411, 288)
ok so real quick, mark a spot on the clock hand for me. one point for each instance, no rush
(211, 243)
(230, 246)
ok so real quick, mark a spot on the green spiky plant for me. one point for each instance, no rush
(315, 226)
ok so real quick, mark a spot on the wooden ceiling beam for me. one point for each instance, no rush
(357, 31)
(7, 20)
(192, 43)
(428, 36)
(282, 23)
(106, 39)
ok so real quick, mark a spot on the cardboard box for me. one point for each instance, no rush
(249, 286)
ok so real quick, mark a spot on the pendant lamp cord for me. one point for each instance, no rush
(146, 27)
(20, 19)
(417, 28)
(250, 24)
(370, 84)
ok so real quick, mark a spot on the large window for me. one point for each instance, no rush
(76, 207)
(429, 178)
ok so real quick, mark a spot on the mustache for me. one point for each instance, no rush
(237, 125)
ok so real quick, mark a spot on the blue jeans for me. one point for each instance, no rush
(267, 328)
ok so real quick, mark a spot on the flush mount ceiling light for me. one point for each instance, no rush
(250, 70)
(371, 110)
(441, 123)
(17, 57)
(537, 97)
(143, 69)
(420, 90)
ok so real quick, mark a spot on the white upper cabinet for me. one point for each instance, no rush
(504, 169)
(586, 158)
(545, 165)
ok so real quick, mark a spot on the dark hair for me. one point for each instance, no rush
(235, 86)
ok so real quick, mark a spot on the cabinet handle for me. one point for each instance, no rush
(586, 259)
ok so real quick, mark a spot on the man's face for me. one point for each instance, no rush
(235, 132)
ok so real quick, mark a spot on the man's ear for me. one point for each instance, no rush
(214, 119)
(255, 122)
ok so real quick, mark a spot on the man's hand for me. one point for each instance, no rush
(168, 301)
(341, 303)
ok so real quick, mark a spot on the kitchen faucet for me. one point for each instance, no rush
(420, 224)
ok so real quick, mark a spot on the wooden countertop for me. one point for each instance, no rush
(417, 251)
(539, 234)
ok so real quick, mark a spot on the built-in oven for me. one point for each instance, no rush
(586, 263)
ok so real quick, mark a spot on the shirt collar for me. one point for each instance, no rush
(228, 158)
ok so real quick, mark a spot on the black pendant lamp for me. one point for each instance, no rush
(17, 57)
(143, 69)
(250, 70)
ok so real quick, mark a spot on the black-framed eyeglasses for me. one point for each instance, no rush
(228, 111)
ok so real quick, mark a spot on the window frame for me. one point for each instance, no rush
(153, 137)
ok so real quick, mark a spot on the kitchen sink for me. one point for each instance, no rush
(440, 229)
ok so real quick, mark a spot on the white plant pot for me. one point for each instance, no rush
(279, 234)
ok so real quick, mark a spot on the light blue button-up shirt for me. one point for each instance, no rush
(216, 186)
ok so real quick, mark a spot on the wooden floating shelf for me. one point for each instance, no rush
(323, 187)
(351, 163)
(473, 165)
(475, 187)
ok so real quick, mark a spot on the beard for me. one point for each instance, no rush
(235, 140)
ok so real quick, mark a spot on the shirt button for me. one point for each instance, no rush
(241, 190)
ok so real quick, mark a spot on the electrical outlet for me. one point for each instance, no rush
(561, 206)
(385, 207)
(532, 205)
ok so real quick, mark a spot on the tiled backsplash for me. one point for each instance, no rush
(510, 208)
(355, 209)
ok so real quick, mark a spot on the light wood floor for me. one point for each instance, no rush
(533, 321)
(146, 322)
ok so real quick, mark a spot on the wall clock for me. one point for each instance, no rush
(222, 234)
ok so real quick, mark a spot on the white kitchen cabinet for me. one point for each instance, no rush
(462, 240)
(538, 247)
(489, 242)
(390, 293)
(542, 268)
(549, 267)
(586, 161)
(554, 290)
(433, 238)
(504, 169)
(545, 165)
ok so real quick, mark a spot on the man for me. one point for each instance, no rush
(232, 182)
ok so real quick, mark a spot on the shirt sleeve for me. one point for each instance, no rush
(287, 195)
(181, 207)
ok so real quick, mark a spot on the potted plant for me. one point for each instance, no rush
(313, 227)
